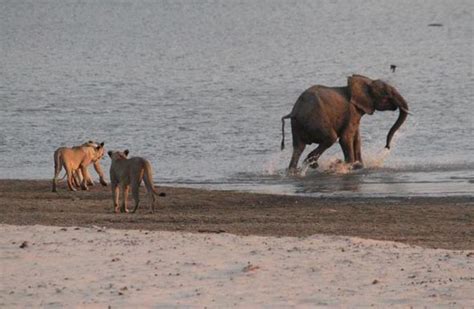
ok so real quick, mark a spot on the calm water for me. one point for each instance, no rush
(198, 87)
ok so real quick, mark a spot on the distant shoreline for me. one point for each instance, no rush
(434, 222)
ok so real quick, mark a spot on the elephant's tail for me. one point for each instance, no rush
(283, 130)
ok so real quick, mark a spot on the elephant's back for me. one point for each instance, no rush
(317, 112)
(319, 100)
(305, 104)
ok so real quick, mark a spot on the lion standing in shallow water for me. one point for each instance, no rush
(130, 172)
(77, 159)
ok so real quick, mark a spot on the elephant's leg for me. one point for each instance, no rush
(347, 145)
(298, 146)
(357, 151)
(313, 156)
(298, 149)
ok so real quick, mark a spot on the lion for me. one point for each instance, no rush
(77, 174)
(75, 161)
(130, 172)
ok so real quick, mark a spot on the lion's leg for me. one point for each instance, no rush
(152, 205)
(87, 178)
(136, 194)
(70, 181)
(57, 170)
(125, 197)
(77, 178)
(115, 196)
(84, 173)
(152, 198)
(58, 165)
(99, 171)
(70, 175)
(54, 184)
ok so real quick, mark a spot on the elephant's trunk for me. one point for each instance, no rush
(403, 106)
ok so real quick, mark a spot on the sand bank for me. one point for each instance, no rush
(51, 266)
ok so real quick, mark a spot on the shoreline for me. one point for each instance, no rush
(432, 222)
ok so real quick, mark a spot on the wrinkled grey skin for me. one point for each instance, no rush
(322, 115)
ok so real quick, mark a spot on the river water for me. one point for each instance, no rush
(199, 87)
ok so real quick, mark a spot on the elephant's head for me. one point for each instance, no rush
(370, 95)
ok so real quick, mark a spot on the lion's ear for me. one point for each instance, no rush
(109, 153)
(126, 152)
(90, 142)
(102, 144)
(360, 97)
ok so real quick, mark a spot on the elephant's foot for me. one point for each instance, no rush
(293, 171)
(311, 163)
(357, 165)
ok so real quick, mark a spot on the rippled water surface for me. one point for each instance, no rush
(199, 87)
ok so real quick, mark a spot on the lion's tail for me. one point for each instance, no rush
(148, 179)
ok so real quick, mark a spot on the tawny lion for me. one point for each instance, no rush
(75, 161)
(77, 174)
(130, 172)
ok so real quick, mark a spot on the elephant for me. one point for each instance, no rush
(322, 115)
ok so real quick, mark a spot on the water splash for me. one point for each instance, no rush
(339, 167)
(334, 165)
(274, 165)
(376, 160)
(304, 170)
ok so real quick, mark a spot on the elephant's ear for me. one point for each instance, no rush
(360, 97)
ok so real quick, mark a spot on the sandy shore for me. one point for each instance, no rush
(46, 266)
(430, 222)
(220, 249)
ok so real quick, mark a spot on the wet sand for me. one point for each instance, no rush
(445, 222)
